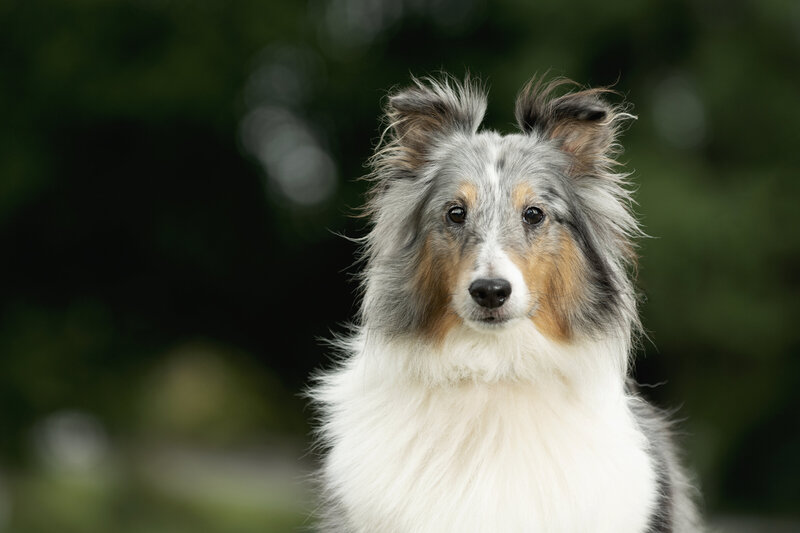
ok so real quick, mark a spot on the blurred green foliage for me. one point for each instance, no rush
(170, 171)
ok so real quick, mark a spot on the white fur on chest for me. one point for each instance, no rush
(557, 454)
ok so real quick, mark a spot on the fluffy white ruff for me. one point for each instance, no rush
(491, 432)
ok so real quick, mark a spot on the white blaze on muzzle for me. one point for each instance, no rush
(493, 268)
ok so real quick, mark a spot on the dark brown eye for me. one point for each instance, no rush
(532, 216)
(457, 214)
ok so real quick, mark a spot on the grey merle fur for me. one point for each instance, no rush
(431, 143)
(566, 150)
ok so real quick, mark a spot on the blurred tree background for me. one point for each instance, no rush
(172, 174)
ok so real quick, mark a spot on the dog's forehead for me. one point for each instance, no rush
(498, 166)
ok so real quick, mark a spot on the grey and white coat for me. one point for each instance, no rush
(485, 386)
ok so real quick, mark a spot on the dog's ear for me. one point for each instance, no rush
(581, 123)
(428, 111)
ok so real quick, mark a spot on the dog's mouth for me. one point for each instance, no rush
(492, 318)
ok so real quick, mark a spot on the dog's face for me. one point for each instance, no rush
(488, 230)
(496, 227)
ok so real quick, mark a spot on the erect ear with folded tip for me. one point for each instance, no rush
(428, 111)
(581, 123)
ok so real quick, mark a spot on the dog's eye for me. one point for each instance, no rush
(532, 216)
(457, 214)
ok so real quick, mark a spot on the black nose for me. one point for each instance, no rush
(491, 293)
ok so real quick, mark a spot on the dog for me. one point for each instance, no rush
(485, 387)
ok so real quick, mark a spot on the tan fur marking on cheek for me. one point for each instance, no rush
(554, 280)
(434, 281)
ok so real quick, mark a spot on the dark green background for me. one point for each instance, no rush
(163, 296)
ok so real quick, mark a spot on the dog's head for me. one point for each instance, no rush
(478, 229)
